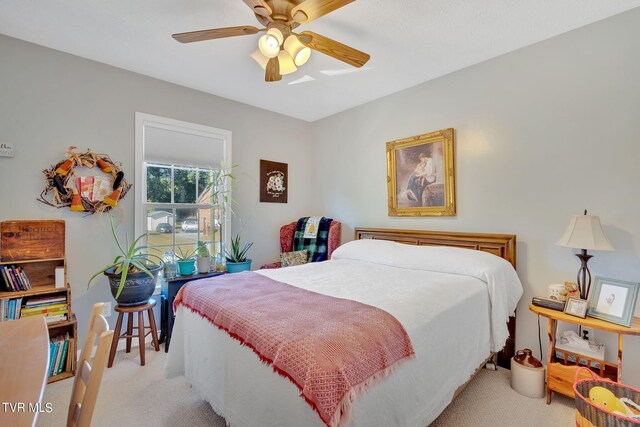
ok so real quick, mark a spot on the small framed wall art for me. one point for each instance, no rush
(274, 180)
(421, 176)
(613, 300)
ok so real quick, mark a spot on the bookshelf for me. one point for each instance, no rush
(38, 248)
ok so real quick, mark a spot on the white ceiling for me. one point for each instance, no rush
(410, 41)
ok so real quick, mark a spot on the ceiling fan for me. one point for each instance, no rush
(280, 51)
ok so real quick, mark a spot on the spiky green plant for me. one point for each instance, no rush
(131, 260)
(236, 254)
(220, 191)
(184, 254)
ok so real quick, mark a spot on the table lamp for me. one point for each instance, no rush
(585, 232)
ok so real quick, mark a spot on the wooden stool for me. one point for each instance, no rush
(140, 309)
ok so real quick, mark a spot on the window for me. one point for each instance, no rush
(174, 165)
(178, 208)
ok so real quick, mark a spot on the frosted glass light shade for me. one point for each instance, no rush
(287, 66)
(299, 52)
(585, 232)
(269, 44)
(260, 59)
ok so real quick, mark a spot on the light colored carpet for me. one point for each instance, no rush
(140, 396)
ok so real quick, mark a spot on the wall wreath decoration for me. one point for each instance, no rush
(67, 187)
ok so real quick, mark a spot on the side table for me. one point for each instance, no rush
(560, 373)
(169, 290)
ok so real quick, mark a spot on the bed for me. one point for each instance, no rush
(455, 313)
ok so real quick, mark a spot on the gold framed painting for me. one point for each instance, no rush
(421, 175)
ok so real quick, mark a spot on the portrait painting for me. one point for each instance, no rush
(420, 175)
(273, 181)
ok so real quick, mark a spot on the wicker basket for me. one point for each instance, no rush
(590, 415)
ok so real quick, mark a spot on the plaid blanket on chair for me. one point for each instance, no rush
(317, 248)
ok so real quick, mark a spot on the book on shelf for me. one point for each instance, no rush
(49, 313)
(17, 278)
(56, 318)
(50, 308)
(63, 359)
(58, 354)
(14, 278)
(71, 360)
(53, 348)
(25, 278)
(10, 309)
(56, 362)
(8, 285)
(37, 301)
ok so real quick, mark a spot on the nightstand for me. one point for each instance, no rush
(169, 290)
(561, 373)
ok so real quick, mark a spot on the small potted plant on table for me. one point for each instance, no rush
(204, 258)
(237, 260)
(133, 273)
(186, 261)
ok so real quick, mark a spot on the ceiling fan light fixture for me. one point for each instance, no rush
(267, 46)
(287, 66)
(299, 52)
(260, 59)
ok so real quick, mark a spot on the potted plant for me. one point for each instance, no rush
(220, 187)
(186, 261)
(237, 260)
(133, 273)
(204, 257)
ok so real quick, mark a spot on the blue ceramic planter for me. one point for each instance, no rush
(237, 267)
(186, 267)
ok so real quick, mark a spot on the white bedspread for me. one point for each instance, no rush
(447, 316)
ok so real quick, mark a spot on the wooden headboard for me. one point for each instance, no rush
(502, 245)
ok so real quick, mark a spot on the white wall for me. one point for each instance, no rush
(51, 100)
(541, 134)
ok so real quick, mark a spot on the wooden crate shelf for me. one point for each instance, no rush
(38, 247)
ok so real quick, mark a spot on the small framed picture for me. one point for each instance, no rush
(613, 300)
(576, 307)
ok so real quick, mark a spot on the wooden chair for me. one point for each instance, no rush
(89, 374)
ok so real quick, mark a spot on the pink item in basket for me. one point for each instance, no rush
(330, 348)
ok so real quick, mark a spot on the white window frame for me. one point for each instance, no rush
(144, 120)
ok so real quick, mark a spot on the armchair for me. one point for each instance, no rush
(287, 232)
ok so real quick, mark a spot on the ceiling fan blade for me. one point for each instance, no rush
(215, 33)
(309, 10)
(259, 6)
(333, 48)
(272, 72)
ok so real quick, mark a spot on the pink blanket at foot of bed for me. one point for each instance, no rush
(330, 348)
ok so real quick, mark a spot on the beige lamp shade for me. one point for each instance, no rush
(585, 232)
(269, 44)
(260, 59)
(299, 52)
(287, 66)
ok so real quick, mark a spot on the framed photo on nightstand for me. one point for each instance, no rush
(613, 300)
(576, 307)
